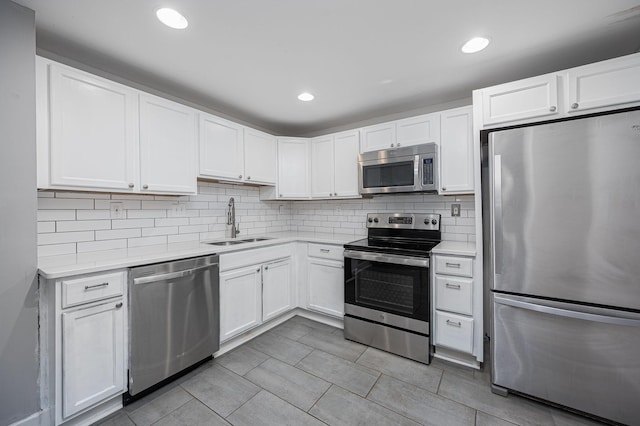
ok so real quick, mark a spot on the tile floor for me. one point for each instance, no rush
(305, 373)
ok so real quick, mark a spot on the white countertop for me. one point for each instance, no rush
(455, 248)
(51, 267)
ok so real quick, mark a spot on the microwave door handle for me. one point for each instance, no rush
(417, 173)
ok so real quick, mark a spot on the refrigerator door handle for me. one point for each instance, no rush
(497, 215)
(568, 313)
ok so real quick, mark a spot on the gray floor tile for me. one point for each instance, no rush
(351, 376)
(420, 405)
(460, 370)
(281, 348)
(120, 418)
(266, 409)
(421, 375)
(484, 419)
(220, 389)
(312, 324)
(193, 413)
(339, 407)
(565, 418)
(242, 359)
(292, 330)
(334, 344)
(159, 406)
(477, 394)
(289, 383)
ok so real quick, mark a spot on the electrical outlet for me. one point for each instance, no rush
(455, 210)
(177, 208)
(117, 210)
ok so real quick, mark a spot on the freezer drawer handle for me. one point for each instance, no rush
(453, 286)
(171, 275)
(452, 265)
(454, 323)
(569, 314)
(89, 287)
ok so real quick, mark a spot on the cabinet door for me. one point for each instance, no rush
(221, 148)
(346, 164)
(93, 356)
(93, 139)
(326, 287)
(613, 82)
(456, 151)
(418, 130)
(240, 300)
(529, 98)
(167, 147)
(259, 157)
(293, 168)
(277, 289)
(322, 166)
(379, 136)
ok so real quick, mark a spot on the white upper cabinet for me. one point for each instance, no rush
(293, 168)
(456, 151)
(377, 137)
(97, 135)
(93, 125)
(418, 130)
(260, 157)
(608, 83)
(322, 167)
(346, 147)
(221, 145)
(522, 99)
(167, 146)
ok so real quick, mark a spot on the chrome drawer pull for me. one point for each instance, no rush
(453, 286)
(454, 324)
(325, 250)
(89, 287)
(452, 265)
(119, 305)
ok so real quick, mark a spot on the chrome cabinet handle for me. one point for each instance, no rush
(248, 177)
(574, 105)
(454, 324)
(444, 189)
(145, 186)
(239, 176)
(118, 305)
(398, 144)
(131, 185)
(258, 270)
(552, 109)
(266, 267)
(335, 194)
(452, 286)
(325, 250)
(452, 265)
(89, 287)
(391, 145)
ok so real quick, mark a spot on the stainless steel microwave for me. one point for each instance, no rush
(406, 169)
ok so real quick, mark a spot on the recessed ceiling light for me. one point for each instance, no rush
(306, 97)
(172, 18)
(474, 45)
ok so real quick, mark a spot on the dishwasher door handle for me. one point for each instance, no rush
(171, 275)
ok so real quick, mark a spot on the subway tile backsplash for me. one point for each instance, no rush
(76, 222)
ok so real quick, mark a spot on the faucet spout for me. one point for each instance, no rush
(231, 218)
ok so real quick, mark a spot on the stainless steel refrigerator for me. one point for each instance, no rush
(562, 262)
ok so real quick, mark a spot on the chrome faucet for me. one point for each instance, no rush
(231, 218)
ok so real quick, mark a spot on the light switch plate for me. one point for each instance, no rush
(455, 210)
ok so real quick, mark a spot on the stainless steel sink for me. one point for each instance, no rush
(234, 242)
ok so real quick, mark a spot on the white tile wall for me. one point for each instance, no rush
(76, 222)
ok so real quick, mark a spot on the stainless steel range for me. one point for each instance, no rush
(387, 300)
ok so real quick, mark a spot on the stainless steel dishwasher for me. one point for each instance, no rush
(174, 320)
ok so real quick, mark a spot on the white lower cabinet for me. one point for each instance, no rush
(93, 361)
(84, 347)
(326, 279)
(453, 302)
(255, 293)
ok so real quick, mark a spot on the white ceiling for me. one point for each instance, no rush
(363, 59)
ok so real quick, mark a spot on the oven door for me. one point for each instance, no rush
(393, 284)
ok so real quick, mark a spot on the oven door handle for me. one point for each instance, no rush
(387, 258)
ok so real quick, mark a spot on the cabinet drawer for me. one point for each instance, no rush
(454, 331)
(454, 294)
(89, 289)
(461, 266)
(326, 251)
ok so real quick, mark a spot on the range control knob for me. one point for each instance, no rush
(376, 220)
(370, 220)
(434, 222)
